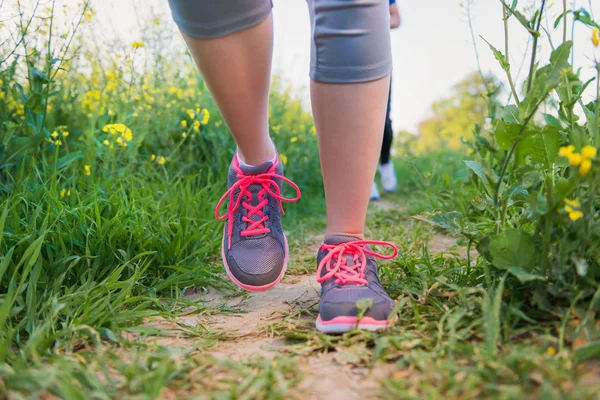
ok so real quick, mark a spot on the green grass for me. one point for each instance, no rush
(451, 339)
(99, 241)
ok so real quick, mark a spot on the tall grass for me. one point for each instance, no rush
(112, 159)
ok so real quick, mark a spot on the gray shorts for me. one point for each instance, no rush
(350, 38)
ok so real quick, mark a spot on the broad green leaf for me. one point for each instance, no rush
(510, 114)
(499, 56)
(34, 101)
(506, 134)
(522, 19)
(583, 16)
(64, 161)
(560, 17)
(552, 120)
(541, 146)
(478, 169)
(546, 79)
(446, 221)
(590, 115)
(479, 202)
(512, 249)
(538, 203)
(524, 276)
(39, 76)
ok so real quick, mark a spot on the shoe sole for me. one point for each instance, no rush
(347, 324)
(256, 288)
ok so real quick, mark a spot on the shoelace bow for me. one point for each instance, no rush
(343, 272)
(269, 186)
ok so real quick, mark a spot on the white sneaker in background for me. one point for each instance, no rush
(375, 192)
(388, 177)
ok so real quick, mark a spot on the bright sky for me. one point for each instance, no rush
(432, 49)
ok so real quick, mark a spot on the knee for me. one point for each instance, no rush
(351, 40)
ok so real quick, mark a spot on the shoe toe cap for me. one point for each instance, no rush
(257, 264)
(342, 302)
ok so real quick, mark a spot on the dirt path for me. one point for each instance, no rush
(251, 329)
(257, 311)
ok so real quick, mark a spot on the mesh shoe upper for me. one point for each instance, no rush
(348, 273)
(254, 247)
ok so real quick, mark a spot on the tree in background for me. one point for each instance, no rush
(454, 117)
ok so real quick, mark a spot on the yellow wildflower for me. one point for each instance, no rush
(551, 351)
(585, 167)
(596, 37)
(106, 143)
(65, 134)
(313, 131)
(54, 134)
(137, 44)
(162, 160)
(588, 152)
(127, 135)
(184, 123)
(572, 205)
(566, 151)
(283, 158)
(87, 170)
(190, 113)
(196, 125)
(58, 142)
(575, 215)
(172, 90)
(575, 159)
(62, 193)
(69, 192)
(205, 116)
(294, 139)
(153, 157)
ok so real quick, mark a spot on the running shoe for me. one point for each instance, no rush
(375, 193)
(255, 249)
(389, 182)
(348, 273)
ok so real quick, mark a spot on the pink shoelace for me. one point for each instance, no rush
(269, 186)
(344, 273)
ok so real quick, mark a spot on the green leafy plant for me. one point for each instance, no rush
(535, 219)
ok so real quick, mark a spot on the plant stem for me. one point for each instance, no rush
(564, 21)
(547, 225)
(48, 69)
(597, 110)
(506, 48)
(534, 50)
(514, 147)
(473, 40)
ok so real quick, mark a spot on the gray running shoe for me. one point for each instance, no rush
(348, 273)
(255, 250)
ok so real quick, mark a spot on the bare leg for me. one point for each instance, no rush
(349, 119)
(237, 71)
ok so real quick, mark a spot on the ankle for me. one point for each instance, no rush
(258, 156)
(341, 232)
